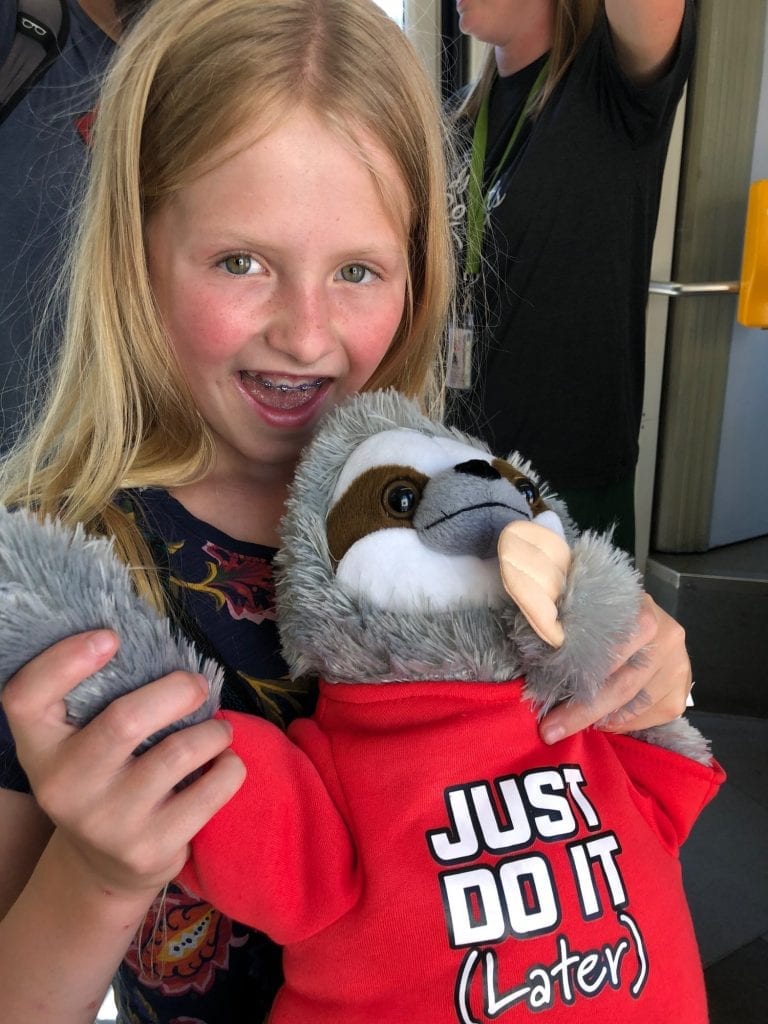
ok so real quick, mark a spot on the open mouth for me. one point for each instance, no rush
(279, 392)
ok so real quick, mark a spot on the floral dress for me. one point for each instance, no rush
(189, 964)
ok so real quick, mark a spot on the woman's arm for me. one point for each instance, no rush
(645, 33)
(122, 829)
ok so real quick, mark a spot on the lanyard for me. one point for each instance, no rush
(475, 198)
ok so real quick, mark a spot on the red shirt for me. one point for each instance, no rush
(423, 856)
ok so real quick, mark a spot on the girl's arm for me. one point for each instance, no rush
(649, 685)
(649, 678)
(24, 834)
(122, 829)
(645, 33)
(61, 941)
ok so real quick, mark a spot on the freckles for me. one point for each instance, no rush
(373, 342)
(206, 330)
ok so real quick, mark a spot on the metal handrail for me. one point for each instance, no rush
(674, 288)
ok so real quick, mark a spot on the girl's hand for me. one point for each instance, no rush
(119, 814)
(642, 691)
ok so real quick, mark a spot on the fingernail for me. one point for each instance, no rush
(101, 641)
(552, 734)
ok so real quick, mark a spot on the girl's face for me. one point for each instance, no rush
(281, 280)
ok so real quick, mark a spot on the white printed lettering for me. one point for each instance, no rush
(465, 844)
(529, 895)
(542, 789)
(572, 974)
(473, 907)
(494, 837)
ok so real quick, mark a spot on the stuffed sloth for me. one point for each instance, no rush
(414, 846)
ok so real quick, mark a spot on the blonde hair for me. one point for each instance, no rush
(189, 76)
(573, 22)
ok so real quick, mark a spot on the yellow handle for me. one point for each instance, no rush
(753, 293)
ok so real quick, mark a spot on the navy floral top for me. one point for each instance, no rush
(189, 964)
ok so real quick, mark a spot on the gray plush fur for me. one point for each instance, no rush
(55, 582)
(326, 631)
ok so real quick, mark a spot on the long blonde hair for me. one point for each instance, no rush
(573, 22)
(189, 76)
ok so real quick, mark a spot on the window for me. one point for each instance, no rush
(395, 9)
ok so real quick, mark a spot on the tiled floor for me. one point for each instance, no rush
(725, 869)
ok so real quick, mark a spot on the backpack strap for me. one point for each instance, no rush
(42, 28)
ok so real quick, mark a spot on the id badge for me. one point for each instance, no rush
(459, 369)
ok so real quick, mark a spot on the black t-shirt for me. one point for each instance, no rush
(189, 962)
(562, 294)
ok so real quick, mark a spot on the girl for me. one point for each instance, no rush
(568, 127)
(264, 233)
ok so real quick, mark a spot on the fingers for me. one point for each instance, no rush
(121, 814)
(43, 682)
(33, 702)
(623, 690)
(649, 686)
(124, 847)
(125, 820)
(174, 825)
(645, 633)
(665, 675)
(125, 723)
(121, 817)
(195, 805)
(70, 773)
(161, 769)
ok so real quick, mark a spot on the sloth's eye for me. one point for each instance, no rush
(400, 498)
(528, 489)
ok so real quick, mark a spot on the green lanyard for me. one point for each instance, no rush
(475, 198)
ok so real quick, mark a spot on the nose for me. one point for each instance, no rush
(478, 468)
(302, 326)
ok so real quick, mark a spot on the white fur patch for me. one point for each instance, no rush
(394, 570)
(552, 522)
(428, 455)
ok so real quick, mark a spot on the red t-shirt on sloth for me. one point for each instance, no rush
(423, 856)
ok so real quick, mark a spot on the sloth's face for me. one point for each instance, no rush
(414, 521)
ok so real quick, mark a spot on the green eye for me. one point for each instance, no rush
(238, 264)
(354, 273)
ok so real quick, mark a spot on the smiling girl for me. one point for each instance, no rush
(264, 233)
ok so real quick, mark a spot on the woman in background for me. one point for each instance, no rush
(554, 206)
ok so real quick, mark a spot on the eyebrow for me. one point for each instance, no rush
(222, 243)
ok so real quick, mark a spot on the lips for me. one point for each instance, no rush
(281, 392)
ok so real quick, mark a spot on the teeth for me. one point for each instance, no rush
(284, 388)
(291, 387)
